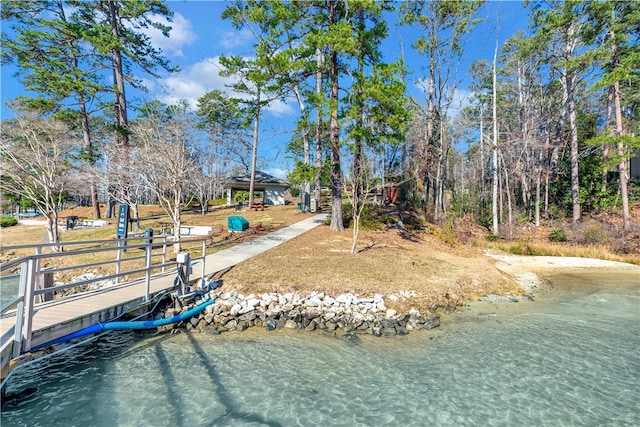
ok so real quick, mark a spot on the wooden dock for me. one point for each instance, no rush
(33, 317)
(41, 322)
(54, 319)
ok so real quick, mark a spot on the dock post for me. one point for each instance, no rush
(184, 265)
(118, 258)
(204, 257)
(147, 273)
(20, 310)
(45, 281)
(29, 299)
(164, 251)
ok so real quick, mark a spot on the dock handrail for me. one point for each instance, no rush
(32, 276)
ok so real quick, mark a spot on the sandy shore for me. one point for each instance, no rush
(526, 269)
(521, 263)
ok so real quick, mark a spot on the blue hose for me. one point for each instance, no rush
(117, 326)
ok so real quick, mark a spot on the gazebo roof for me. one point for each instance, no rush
(262, 181)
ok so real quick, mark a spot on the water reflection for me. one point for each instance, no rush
(569, 357)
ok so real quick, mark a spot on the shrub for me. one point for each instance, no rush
(7, 221)
(558, 235)
(241, 196)
(371, 219)
(557, 212)
(522, 218)
(447, 234)
(594, 233)
(491, 237)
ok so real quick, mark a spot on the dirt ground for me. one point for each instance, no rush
(424, 269)
(415, 267)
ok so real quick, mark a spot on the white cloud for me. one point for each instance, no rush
(233, 39)
(193, 81)
(279, 108)
(277, 172)
(181, 34)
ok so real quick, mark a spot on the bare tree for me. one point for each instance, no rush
(201, 187)
(167, 158)
(36, 153)
(118, 179)
(359, 184)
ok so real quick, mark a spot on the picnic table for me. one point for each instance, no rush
(164, 226)
(259, 205)
(84, 221)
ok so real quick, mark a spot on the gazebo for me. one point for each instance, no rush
(272, 188)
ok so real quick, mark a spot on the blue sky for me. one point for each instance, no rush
(199, 37)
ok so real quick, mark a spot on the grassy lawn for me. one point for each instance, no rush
(423, 268)
(261, 222)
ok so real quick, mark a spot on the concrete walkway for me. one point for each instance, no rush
(229, 257)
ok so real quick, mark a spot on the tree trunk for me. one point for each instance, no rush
(305, 140)
(482, 174)
(121, 121)
(622, 165)
(254, 152)
(135, 215)
(430, 128)
(95, 203)
(53, 231)
(318, 177)
(494, 203)
(569, 80)
(356, 231)
(84, 118)
(508, 193)
(575, 180)
(605, 147)
(537, 202)
(177, 224)
(336, 176)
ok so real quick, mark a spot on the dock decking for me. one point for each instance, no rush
(57, 318)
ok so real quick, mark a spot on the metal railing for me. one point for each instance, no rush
(36, 283)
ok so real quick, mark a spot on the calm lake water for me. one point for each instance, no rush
(572, 357)
(9, 286)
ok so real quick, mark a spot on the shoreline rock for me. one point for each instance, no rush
(346, 313)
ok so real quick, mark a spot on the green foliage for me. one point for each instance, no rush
(593, 196)
(372, 217)
(8, 221)
(301, 174)
(218, 112)
(491, 237)
(522, 218)
(594, 233)
(240, 196)
(558, 235)
(295, 192)
(26, 204)
(447, 234)
(555, 212)
(58, 48)
(218, 202)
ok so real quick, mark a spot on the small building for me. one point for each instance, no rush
(272, 188)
